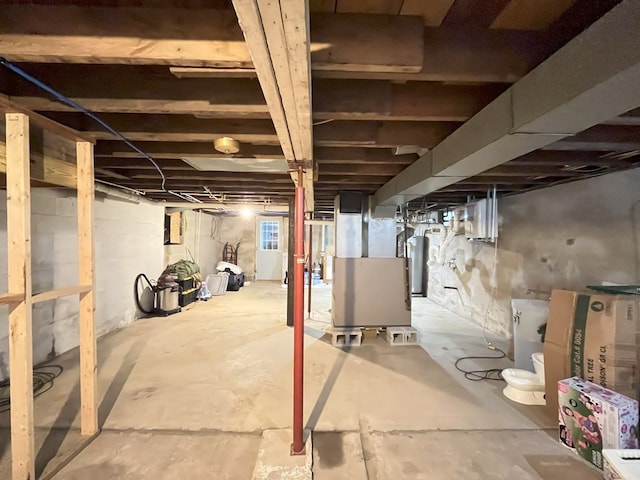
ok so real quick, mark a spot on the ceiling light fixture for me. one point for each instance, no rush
(226, 145)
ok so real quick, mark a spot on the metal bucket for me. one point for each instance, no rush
(168, 298)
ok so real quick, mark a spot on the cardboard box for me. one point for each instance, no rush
(621, 464)
(592, 418)
(592, 336)
(370, 292)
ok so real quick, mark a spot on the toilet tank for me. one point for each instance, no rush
(538, 365)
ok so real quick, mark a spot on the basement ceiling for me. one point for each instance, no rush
(384, 74)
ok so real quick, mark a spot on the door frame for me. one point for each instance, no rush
(259, 220)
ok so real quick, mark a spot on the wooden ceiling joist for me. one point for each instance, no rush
(171, 127)
(125, 90)
(386, 74)
(449, 55)
(198, 37)
(173, 150)
(381, 134)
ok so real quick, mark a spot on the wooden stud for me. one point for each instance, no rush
(19, 266)
(59, 292)
(88, 358)
(9, 298)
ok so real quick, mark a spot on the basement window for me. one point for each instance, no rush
(269, 235)
(173, 228)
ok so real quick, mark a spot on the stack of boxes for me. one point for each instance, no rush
(593, 339)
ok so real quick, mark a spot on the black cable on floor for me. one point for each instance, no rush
(43, 377)
(479, 375)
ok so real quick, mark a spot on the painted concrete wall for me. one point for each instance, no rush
(205, 237)
(567, 236)
(128, 240)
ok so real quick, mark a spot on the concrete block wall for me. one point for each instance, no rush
(206, 235)
(128, 241)
(566, 236)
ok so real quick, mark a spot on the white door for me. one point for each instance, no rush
(269, 251)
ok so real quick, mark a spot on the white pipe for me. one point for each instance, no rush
(456, 221)
(197, 239)
(494, 229)
(428, 228)
(123, 194)
(444, 245)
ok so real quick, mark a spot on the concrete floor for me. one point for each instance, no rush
(191, 395)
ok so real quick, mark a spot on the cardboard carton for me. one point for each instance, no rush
(592, 336)
(592, 418)
(621, 464)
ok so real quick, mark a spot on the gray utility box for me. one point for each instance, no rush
(370, 292)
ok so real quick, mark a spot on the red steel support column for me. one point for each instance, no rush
(297, 447)
(310, 267)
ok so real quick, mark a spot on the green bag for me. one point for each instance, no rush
(183, 269)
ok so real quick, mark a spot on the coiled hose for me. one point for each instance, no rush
(137, 297)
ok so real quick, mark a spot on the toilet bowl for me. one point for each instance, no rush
(526, 387)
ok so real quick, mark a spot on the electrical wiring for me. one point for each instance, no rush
(43, 377)
(66, 100)
(487, 374)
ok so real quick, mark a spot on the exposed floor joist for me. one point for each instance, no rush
(587, 82)
(199, 37)
(389, 77)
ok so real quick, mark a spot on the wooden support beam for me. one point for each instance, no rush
(173, 152)
(295, 20)
(8, 106)
(59, 292)
(135, 89)
(212, 176)
(272, 27)
(197, 37)
(562, 158)
(172, 127)
(9, 298)
(449, 55)
(381, 134)
(45, 168)
(177, 150)
(530, 14)
(74, 34)
(416, 101)
(86, 276)
(184, 128)
(335, 47)
(280, 49)
(368, 156)
(603, 138)
(329, 180)
(20, 320)
(361, 169)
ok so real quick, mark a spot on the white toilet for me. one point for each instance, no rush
(526, 387)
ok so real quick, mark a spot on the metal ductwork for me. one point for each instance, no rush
(591, 79)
